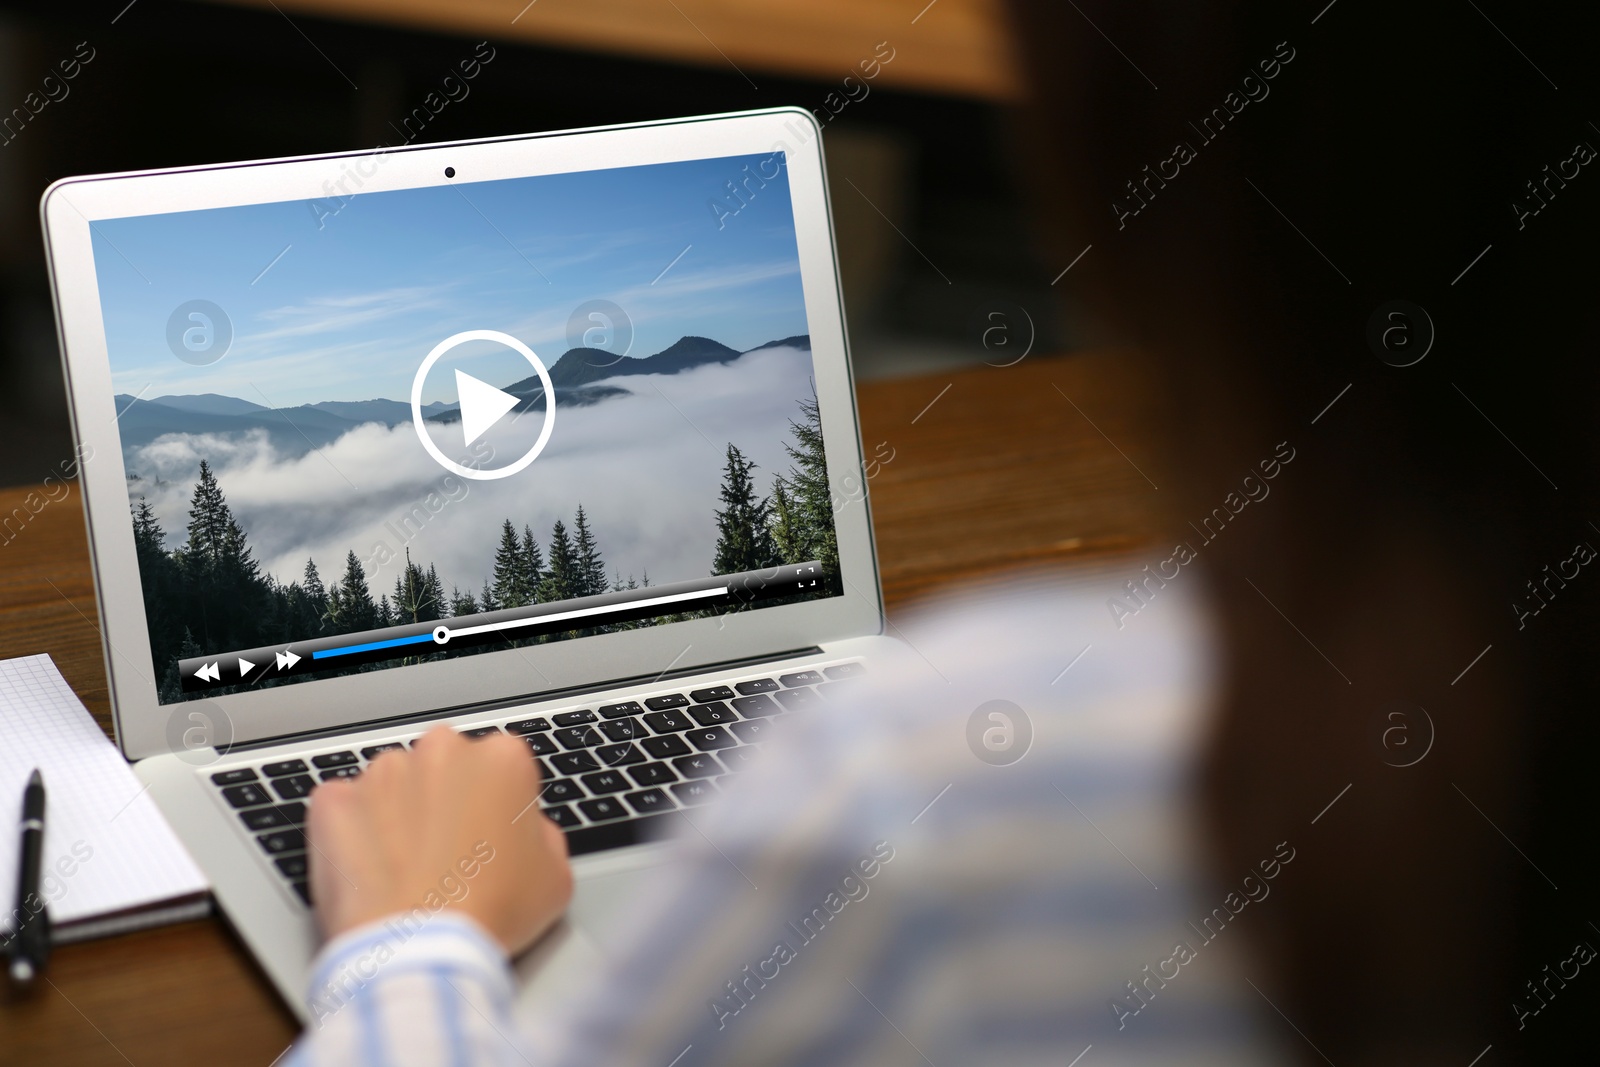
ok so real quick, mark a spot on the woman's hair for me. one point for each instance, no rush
(1368, 233)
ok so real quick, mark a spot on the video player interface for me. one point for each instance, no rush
(394, 427)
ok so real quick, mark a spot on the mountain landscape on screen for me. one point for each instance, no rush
(299, 429)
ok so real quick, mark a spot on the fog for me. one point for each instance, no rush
(646, 467)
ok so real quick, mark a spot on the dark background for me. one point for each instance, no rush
(176, 84)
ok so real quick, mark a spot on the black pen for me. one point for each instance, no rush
(30, 943)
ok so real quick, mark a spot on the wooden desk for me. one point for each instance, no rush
(990, 468)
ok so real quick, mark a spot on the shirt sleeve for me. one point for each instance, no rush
(410, 989)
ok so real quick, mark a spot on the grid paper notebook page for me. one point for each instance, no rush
(100, 824)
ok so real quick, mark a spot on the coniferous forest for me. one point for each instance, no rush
(207, 594)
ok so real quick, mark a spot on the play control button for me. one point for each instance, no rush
(481, 405)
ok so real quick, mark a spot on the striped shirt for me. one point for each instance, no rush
(986, 855)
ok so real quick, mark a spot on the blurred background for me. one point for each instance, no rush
(1428, 154)
(920, 157)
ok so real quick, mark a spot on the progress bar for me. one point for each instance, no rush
(442, 634)
(223, 671)
(372, 646)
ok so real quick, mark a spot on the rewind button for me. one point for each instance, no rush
(208, 673)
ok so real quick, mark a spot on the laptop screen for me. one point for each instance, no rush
(380, 429)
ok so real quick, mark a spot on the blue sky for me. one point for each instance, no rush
(349, 311)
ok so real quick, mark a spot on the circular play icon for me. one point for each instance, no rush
(482, 405)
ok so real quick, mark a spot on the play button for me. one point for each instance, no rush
(481, 405)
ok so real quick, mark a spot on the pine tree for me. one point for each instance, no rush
(417, 597)
(350, 606)
(435, 594)
(561, 579)
(209, 518)
(743, 541)
(314, 602)
(809, 506)
(487, 602)
(591, 569)
(462, 603)
(532, 563)
(787, 537)
(511, 588)
(386, 614)
(158, 580)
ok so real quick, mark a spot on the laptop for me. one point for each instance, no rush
(550, 435)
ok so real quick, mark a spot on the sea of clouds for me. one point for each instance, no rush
(646, 467)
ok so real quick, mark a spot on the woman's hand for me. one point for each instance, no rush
(452, 823)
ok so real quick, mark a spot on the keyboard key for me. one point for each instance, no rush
(619, 755)
(374, 751)
(606, 782)
(663, 747)
(691, 793)
(756, 685)
(334, 759)
(560, 790)
(799, 678)
(283, 841)
(799, 699)
(563, 816)
(710, 738)
(755, 707)
(572, 718)
(738, 759)
(243, 796)
(716, 692)
(603, 809)
(541, 744)
(480, 731)
(844, 670)
(528, 726)
(713, 713)
(699, 765)
(303, 891)
(578, 737)
(649, 801)
(295, 787)
(544, 770)
(293, 866)
(234, 777)
(665, 722)
(617, 711)
(623, 730)
(751, 732)
(653, 774)
(574, 763)
(272, 818)
(341, 772)
(665, 701)
(288, 766)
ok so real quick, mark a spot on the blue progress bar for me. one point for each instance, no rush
(373, 646)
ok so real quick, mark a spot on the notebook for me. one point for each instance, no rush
(111, 862)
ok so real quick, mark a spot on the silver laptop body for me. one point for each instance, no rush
(579, 407)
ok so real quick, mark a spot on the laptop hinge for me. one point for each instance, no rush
(526, 698)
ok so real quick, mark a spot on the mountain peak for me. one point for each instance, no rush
(580, 366)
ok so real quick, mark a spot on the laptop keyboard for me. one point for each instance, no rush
(612, 773)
